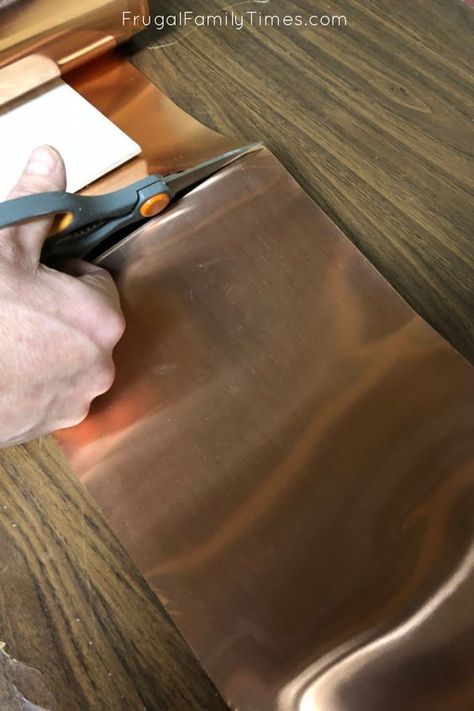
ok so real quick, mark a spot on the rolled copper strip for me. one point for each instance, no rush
(68, 33)
(24, 76)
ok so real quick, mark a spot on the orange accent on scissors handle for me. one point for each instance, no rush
(61, 221)
(154, 205)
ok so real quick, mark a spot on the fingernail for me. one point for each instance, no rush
(43, 161)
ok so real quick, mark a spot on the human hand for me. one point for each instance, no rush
(57, 330)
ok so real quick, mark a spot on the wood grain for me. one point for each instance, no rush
(74, 611)
(373, 119)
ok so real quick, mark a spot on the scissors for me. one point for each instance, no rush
(84, 222)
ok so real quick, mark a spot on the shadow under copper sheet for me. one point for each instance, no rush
(287, 455)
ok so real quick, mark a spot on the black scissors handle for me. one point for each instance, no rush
(84, 221)
(79, 209)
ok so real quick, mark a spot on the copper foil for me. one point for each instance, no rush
(170, 139)
(287, 455)
(68, 33)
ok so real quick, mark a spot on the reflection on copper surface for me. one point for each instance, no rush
(287, 454)
(340, 676)
(65, 32)
(170, 139)
(24, 76)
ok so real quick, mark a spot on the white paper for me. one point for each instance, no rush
(89, 143)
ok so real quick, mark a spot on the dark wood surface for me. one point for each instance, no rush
(87, 631)
(375, 121)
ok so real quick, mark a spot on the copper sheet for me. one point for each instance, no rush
(66, 32)
(287, 455)
(24, 76)
(169, 138)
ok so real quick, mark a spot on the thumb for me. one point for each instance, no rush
(44, 172)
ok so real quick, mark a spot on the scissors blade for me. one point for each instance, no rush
(192, 176)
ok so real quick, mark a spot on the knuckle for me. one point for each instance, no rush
(77, 417)
(103, 377)
(106, 281)
(103, 318)
(113, 326)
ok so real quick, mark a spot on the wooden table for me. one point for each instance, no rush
(374, 120)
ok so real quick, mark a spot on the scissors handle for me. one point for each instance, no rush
(83, 221)
(81, 209)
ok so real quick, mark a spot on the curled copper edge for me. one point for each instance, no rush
(26, 75)
(67, 33)
(287, 450)
(170, 139)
